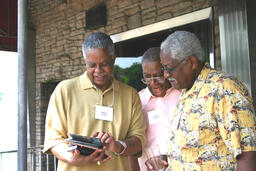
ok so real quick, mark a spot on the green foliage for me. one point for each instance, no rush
(131, 75)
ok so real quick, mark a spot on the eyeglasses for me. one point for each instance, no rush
(147, 80)
(170, 70)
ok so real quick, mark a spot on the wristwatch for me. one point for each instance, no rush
(124, 145)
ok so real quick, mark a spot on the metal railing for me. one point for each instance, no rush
(36, 160)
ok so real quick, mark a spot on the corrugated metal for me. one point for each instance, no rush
(234, 39)
(251, 15)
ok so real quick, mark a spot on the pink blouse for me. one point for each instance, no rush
(157, 112)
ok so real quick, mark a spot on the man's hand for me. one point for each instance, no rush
(75, 158)
(108, 142)
(79, 160)
(133, 144)
(156, 163)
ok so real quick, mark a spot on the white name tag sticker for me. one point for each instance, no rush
(104, 113)
(155, 116)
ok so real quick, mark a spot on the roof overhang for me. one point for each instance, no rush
(8, 25)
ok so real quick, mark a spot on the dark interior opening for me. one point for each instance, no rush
(137, 46)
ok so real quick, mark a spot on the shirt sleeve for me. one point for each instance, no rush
(236, 119)
(138, 124)
(55, 125)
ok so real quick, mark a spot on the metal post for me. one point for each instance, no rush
(22, 86)
(55, 163)
(33, 159)
(47, 162)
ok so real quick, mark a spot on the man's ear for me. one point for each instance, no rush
(194, 62)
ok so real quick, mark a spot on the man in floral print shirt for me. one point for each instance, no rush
(213, 126)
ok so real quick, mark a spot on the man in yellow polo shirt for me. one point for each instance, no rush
(95, 104)
(213, 127)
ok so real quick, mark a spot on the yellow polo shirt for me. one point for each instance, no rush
(216, 124)
(72, 110)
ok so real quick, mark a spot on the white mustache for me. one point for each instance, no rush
(100, 75)
(172, 79)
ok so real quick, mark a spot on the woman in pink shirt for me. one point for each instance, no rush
(158, 101)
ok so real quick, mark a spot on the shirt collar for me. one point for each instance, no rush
(85, 81)
(198, 82)
(87, 84)
(148, 95)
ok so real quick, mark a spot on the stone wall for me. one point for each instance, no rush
(60, 31)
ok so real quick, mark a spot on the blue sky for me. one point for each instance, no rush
(126, 62)
(1, 94)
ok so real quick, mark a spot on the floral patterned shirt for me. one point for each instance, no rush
(213, 123)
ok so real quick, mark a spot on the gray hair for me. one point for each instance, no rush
(182, 44)
(152, 54)
(98, 40)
